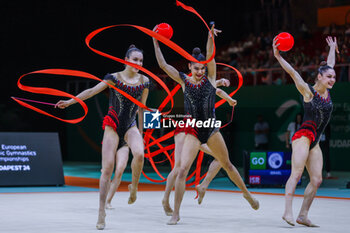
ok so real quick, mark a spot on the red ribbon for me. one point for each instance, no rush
(54, 92)
(240, 84)
(155, 35)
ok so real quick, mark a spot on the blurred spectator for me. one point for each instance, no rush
(304, 30)
(330, 30)
(292, 128)
(347, 30)
(261, 130)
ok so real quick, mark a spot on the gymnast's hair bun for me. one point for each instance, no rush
(132, 48)
(323, 63)
(323, 67)
(196, 51)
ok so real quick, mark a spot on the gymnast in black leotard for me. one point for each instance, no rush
(317, 114)
(121, 117)
(179, 136)
(199, 103)
(305, 142)
(199, 92)
(122, 112)
(120, 131)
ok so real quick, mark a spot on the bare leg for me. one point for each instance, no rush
(109, 146)
(135, 142)
(217, 145)
(189, 153)
(214, 168)
(299, 156)
(314, 167)
(122, 156)
(179, 139)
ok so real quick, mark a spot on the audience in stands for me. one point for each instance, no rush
(255, 52)
(253, 56)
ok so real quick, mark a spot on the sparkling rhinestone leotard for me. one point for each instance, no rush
(199, 102)
(121, 114)
(317, 114)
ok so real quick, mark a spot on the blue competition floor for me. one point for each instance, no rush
(329, 188)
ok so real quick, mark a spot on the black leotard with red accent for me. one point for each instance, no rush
(317, 114)
(121, 114)
(199, 102)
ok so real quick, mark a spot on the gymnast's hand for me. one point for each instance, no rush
(232, 102)
(332, 43)
(62, 104)
(214, 31)
(154, 29)
(224, 82)
(276, 52)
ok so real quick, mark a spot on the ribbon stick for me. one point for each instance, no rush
(34, 101)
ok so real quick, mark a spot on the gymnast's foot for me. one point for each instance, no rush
(109, 206)
(303, 220)
(201, 193)
(174, 219)
(167, 209)
(288, 218)
(252, 201)
(132, 197)
(100, 225)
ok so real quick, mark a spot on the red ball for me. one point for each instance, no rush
(165, 30)
(285, 40)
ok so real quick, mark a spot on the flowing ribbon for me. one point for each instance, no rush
(240, 84)
(53, 92)
(88, 39)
